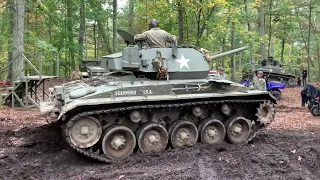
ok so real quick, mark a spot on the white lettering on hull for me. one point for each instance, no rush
(132, 92)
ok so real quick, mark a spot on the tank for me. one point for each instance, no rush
(272, 71)
(156, 99)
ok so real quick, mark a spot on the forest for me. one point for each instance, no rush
(199, 129)
(75, 30)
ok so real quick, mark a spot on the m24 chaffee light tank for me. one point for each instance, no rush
(154, 99)
(273, 71)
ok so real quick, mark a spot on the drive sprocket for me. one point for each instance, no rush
(265, 113)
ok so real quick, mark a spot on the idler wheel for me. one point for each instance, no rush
(211, 131)
(183, 133)
(118, 142)
(238, 129)
(152, 138)
(85, 131)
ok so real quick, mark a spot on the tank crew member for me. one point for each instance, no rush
(221, 74)
(76, 74)
(259, 83)
(156, 37)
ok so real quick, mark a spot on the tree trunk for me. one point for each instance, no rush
(70, 32)
(131, 15)
(181, 24)
(232, 41)
(252, 58)
(203, 27)
(103, 34)
(240, 60)
(261, 28)
(309, 34)
(18, 39)
(318, 53)
(95, 40)
(115, 17)
(270, 29)
(271, 49)
(81, 30)
(282, 49)
(10, 33)
(50, 29)
(223, 50)
(198, 24)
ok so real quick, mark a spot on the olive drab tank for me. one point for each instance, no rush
(155, 99)
(273, 71)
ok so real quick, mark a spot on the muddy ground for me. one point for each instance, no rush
(289, 149)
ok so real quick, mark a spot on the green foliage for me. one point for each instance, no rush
(207, 23)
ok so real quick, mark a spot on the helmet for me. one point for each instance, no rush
(220, 68)
(260, 72)
(153, 23)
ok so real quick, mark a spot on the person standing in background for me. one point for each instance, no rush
(299, 81)
(221, 74)
(304, 76)
(76, 74)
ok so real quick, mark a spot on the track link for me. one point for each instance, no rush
(101, 157)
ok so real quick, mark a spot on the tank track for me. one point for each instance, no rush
(102, 158)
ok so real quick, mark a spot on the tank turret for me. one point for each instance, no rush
(161, 63)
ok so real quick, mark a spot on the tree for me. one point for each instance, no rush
(81, 30)
(261, 27)
(115, 21)
(18, 39)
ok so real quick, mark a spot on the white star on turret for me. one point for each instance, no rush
(183, 62)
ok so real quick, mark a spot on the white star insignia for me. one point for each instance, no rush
(183, 62)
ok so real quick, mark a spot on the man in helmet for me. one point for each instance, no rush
(156, 37)
(259, 83)
(221, 73)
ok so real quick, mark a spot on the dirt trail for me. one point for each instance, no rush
(289, 149)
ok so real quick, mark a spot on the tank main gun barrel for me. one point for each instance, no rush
(227, 53)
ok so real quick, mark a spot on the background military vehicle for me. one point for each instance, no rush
(272, 71)
(154, 99)
(93, 67)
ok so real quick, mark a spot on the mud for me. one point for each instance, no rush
(40, 153)
(289, 149)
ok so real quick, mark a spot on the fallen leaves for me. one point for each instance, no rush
(291, 116)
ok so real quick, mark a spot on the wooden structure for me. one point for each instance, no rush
(26, 92)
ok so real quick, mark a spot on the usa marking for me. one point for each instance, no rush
(132, 92)
(146, 91)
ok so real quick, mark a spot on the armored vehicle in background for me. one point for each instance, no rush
(154, 99)
(93, 67)
(272, 71)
